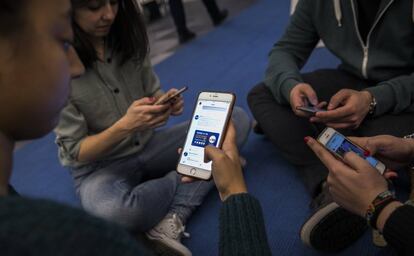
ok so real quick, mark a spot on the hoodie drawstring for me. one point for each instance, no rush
(412, 12)
(338, 12)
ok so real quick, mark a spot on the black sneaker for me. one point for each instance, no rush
(331, 228)
(186, 36)
(221, 17)
(257, 128)
(12, 191)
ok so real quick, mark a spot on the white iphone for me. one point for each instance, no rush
(211, 115)
(338, 144)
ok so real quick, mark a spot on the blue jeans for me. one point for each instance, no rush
(139, 190)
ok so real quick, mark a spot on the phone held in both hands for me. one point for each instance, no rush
(310, 109)
(162, 100)
(338, 144)
(209, 122)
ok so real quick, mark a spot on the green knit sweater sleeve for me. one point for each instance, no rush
(40, 227)
(399, 230)
(242, 229)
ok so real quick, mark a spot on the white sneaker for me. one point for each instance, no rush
(167, 236)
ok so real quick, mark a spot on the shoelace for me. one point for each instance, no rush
(178, 229)
(322, 197)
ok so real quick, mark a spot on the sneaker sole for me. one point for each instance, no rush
(322, 231)
(163, 249)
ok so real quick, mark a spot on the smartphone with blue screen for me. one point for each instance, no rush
(212, 113)
(338, 144)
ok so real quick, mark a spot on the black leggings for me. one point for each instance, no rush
(178, 14)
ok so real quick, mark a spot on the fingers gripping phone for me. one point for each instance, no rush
(162, 100)
(211, 116)
(310, 109)
(338, 144)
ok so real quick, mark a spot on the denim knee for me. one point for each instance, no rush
(242, 123)
(137, 207)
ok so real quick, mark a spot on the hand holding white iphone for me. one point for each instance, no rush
(211, 115)
(338, 144)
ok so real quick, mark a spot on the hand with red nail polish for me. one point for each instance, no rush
(394, 152)
(353, 182)
(390, 174)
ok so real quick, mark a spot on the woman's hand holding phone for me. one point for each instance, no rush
(173, 98)
(177, 103)
(353, 183)
(226, 168)
(394, 152)
(143, 115)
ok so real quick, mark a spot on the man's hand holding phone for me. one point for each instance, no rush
(226, 168)
(346, 109)
(303, 95)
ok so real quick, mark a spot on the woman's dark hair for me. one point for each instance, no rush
(127, 38)
(11, 18)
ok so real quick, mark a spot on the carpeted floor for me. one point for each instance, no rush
(233, 58)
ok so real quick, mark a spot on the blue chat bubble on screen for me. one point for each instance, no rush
(204, 138)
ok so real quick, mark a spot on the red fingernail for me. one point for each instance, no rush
(306, 139)
(151, 98)
(367, 153)
(392, 174)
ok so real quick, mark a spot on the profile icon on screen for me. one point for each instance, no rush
(212, 139)
(196, 117)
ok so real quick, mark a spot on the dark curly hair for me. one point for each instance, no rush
(128, 35)
(11, 18)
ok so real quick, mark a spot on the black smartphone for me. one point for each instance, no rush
(310, 109)
(164, 100)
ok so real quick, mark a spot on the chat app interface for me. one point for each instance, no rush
(340, 145)
(206, 128)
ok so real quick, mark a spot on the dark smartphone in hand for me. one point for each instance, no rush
(168, 99)
(310, 109)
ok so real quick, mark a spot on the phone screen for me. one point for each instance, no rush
(206, 129)
(341, 145)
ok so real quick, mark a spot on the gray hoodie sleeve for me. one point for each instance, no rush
(394, 96)
(291, 52)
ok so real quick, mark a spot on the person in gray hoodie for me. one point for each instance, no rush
(371, 92)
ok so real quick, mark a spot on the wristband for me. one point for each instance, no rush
(411, 136)
(377, 205)
(410, 165)
(372, 106)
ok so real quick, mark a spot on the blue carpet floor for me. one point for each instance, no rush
(232, 57)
